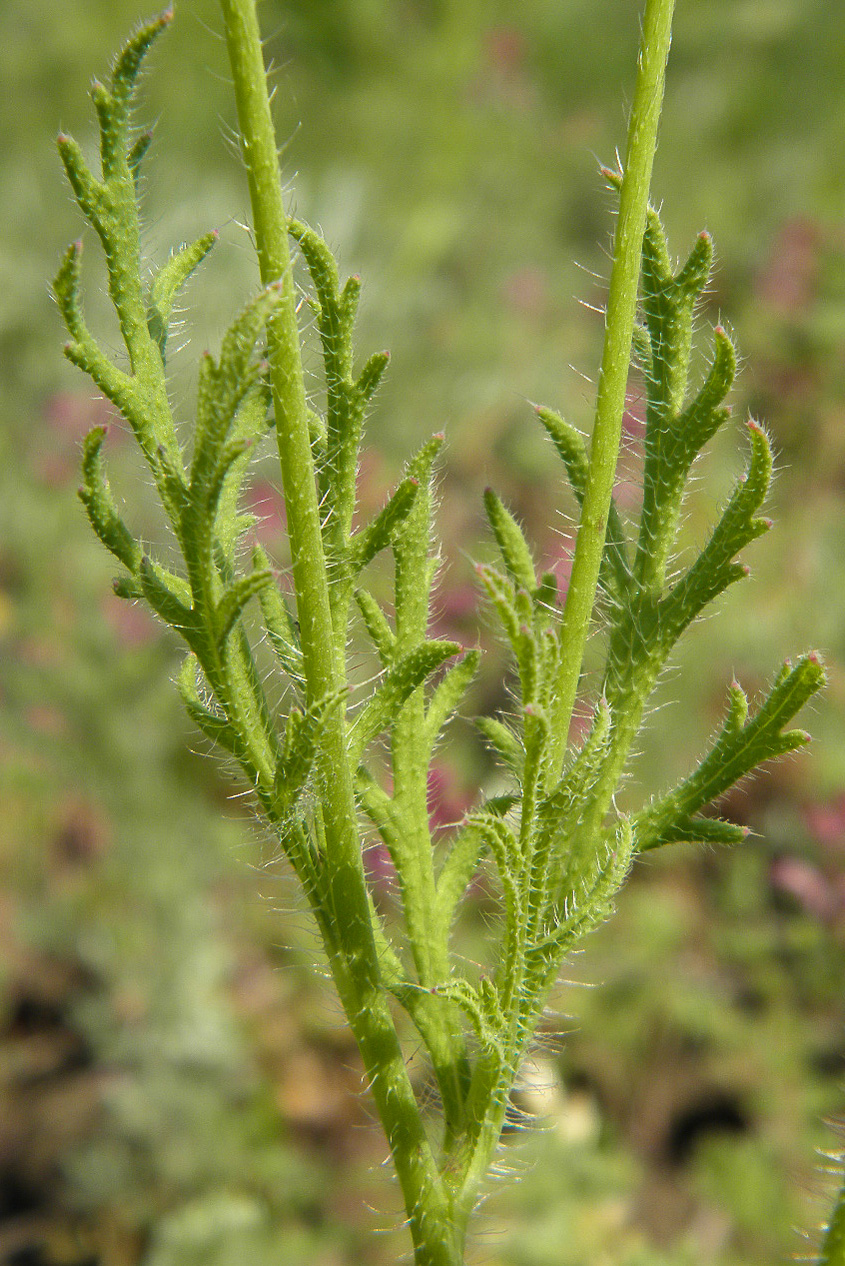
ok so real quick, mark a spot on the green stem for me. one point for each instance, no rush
(616, 357)
(355, 965)
(833, 1246)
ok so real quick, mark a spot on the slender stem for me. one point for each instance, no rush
(353, 957)
(613, 377)
(271, 240)
(832, 1251)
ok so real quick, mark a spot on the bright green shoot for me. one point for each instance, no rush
(558, 848)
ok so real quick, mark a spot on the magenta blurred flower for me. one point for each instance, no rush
(827, 822)
(267, 504)
(808, 885)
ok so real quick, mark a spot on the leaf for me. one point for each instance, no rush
(95, 495)
(167, 596)
(213, 725)
(514, 548)
(137, 152)
(371, 375)
(483, 1007)
(741, 746)
(377, 535)
(504, 742)
(399, 683)
(573, 453)
(449, 692)
(231, 605)
(702, 417)
(278, 621)
(516, 613)
(594, 905)
(503, 844)
(303, 733)
(223, 386)
(87, 191)
(458, 868)
(714, 568)
(169, 280)
(383, 637)
(130, 58)
(66, 291)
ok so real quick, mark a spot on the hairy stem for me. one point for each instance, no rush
(616, 357)
(833, 1246)
(355, 965)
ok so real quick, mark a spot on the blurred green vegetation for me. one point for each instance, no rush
(176, 1085)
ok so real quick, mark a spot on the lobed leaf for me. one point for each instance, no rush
(513, 546)
(169, 280)
(399, 683)
(572, 450)
(231, 605)
(378, 534)
(383, 637)
(278, 621)
(213, 725)
(449, 692)
(130, 58)
(741, 746)
(95, 495)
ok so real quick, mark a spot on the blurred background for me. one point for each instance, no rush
(176, 1084)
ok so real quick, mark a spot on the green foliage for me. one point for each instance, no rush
(832, 1252)
(558, 847)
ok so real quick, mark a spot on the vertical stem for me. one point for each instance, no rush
(613, 376)
(832, 1252)
(354, 964)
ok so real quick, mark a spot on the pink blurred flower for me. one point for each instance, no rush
(447, 800)
(808, 885)
(827, 822)
(267, 503)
